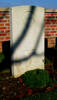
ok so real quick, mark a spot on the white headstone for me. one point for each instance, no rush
(27, 36)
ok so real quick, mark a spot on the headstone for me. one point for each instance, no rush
(27, 39)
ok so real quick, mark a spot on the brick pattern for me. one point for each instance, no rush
(0, 46)
(4, 27)
(51, 28)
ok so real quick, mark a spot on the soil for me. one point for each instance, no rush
(13, 88)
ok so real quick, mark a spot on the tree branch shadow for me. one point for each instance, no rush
(24, 32)
(20, 39)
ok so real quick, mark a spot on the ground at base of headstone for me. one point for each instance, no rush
(14, 89)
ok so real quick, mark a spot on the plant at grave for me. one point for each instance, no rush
(2, 57)
(36, 78)
(47, 61)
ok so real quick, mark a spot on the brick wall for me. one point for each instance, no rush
(4, 26)
(51, 27)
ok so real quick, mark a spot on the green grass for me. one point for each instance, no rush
(36, 78)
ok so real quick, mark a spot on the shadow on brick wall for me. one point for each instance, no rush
(51, 54)
(6, 63)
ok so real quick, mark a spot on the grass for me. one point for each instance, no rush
(37, 79)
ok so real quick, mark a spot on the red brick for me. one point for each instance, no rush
(0, 44)
(50, 13)
(3, 27)
(53, 31)
(47, 28)
(1, 38)
(51, 45)
(3, 13)
(8, 38)
(53, 26)
(1, 17)
(48, 23)
(51, 34)
(2, 31)
(8, 27)
(53, 20)
(3, 20)
(53, 37)
(56, 34)
(47, 19)
(2, 34)
(0, 50)
(8, 20)
(7, 24)
(7, 31)
(48, 35)
(47, 32)
(8, 34)
(7, 17)
(51, 40)
(1, 24)
(47, 16)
